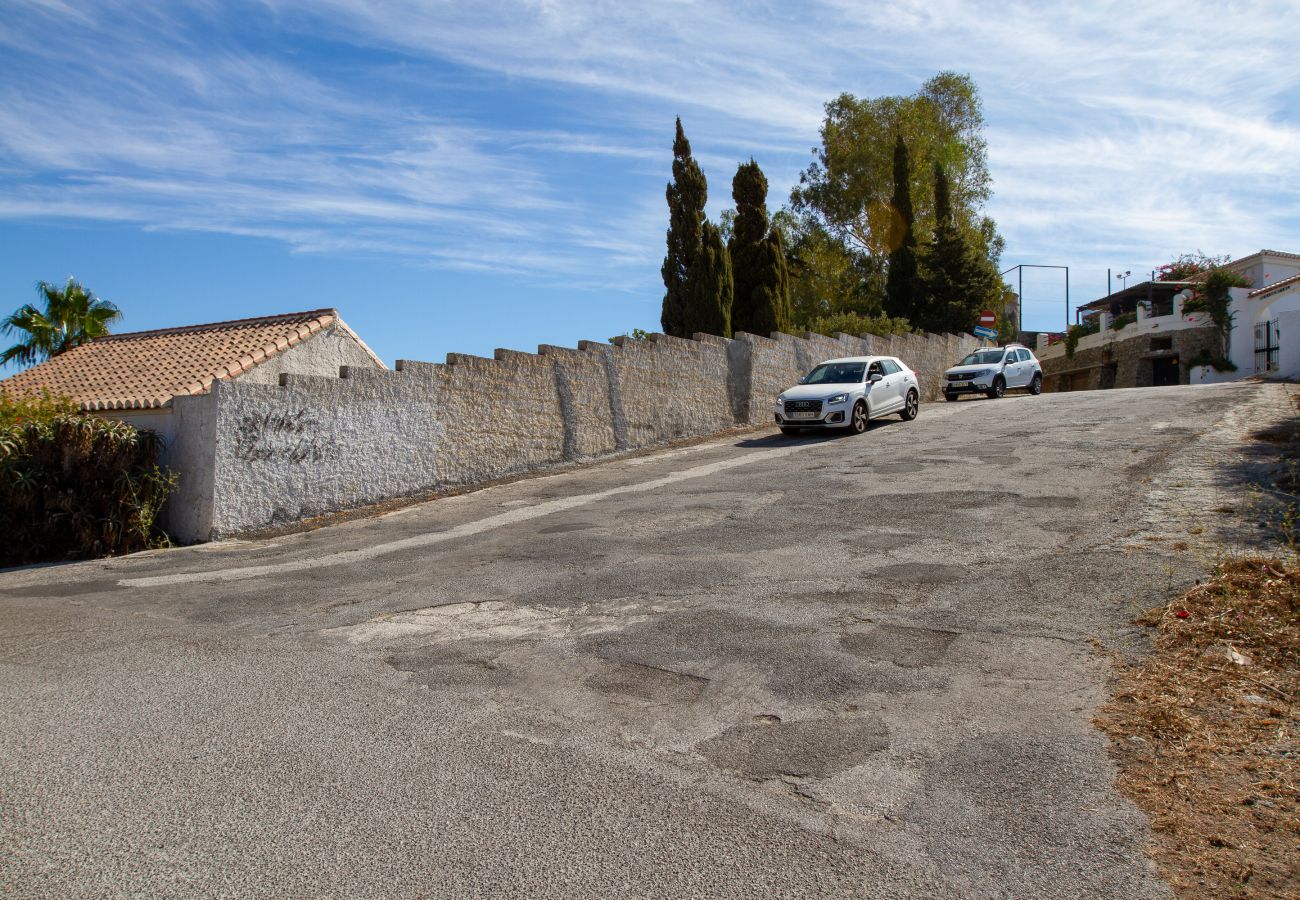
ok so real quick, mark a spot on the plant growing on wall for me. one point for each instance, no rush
(1072, 335)
(1214, 297)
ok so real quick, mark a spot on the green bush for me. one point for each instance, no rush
(1074, 332)
(74, 485)
(856, 323)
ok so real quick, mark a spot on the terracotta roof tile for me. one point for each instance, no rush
(145, 369)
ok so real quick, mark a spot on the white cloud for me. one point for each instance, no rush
(1115, 130)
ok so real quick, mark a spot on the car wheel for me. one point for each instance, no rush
(999, 388)
(949, 397)
(911, 407)
(789, 432)
(858, 423)
(1036, 386)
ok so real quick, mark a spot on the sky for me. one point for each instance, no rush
(461, 177)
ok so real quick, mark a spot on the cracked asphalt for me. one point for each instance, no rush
(755, 666)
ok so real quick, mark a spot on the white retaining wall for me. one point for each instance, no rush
(254, 456)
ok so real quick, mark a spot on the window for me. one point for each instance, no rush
(1022, 355)
(1162, 343)
(891, 367)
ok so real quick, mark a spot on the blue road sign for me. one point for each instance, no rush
(987, 333)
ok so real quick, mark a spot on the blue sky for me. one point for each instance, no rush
(461, 177)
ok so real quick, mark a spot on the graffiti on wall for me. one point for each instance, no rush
(293, 436)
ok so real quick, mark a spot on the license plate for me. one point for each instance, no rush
(802, 415)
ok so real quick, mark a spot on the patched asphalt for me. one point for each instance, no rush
(834, 666)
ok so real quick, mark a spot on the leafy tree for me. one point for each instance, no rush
(958, 277)
(687, 194)
(71, 317)
(827, 278)
(758, 260)
(848, 186)
(902, 285)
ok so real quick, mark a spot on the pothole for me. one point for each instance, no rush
(648, 683)
(810, 749)
(900, 645)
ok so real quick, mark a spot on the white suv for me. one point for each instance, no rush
(993, 371)
(847, 393)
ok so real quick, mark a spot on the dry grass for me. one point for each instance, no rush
(1205, 733)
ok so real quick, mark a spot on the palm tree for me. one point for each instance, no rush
(72, 316)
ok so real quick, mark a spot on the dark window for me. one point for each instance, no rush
(1162, 343)
(891, 367)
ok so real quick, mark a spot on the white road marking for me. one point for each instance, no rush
(510, 517)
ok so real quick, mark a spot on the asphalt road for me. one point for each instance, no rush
(757, 666)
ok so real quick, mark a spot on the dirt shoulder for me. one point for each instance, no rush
(1205, 730)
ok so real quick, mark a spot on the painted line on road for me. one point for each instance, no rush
(510, 517)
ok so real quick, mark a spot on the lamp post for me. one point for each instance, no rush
(1123, 276)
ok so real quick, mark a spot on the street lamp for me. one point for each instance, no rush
(1124, 277)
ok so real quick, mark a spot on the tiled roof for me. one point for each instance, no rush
(145, 369)
(1276, 286)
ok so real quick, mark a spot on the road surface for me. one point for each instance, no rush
(758, 665)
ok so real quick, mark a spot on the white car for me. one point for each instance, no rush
(993, 371)
(847, 393)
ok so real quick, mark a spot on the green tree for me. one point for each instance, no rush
(903, 296)
(687, 194)
(71, 317)
(826, 278)
(758, 260)
(958, 278)
(848, 185)
(709, 288)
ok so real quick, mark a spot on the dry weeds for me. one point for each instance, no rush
(1204, 731)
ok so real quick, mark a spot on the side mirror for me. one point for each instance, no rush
(876, 377)
(803, 380)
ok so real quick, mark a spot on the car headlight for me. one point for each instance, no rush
(983, 373)
(780, 399)
(838, 398)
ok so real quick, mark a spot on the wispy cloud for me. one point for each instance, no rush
(533, 137)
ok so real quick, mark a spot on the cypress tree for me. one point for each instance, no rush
(687, 194)
(958, 276)
(902, 287)
(709, 288)
(762, 279)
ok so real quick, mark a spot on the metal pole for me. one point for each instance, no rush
(1108, 292)
(1020, 302)
(1067, 298)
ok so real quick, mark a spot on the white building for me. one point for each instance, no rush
(1266, 324)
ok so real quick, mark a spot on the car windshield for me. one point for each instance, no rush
(982, 358)
(836, 373)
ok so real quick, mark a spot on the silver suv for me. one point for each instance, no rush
(993, 371)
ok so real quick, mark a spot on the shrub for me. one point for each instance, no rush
(74, 485)
(856, 323)
(1122, 320)
(1074, 332)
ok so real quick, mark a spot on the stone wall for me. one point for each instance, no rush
(264, 455)
(1128, 362)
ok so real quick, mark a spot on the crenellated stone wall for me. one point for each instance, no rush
(254, 456)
